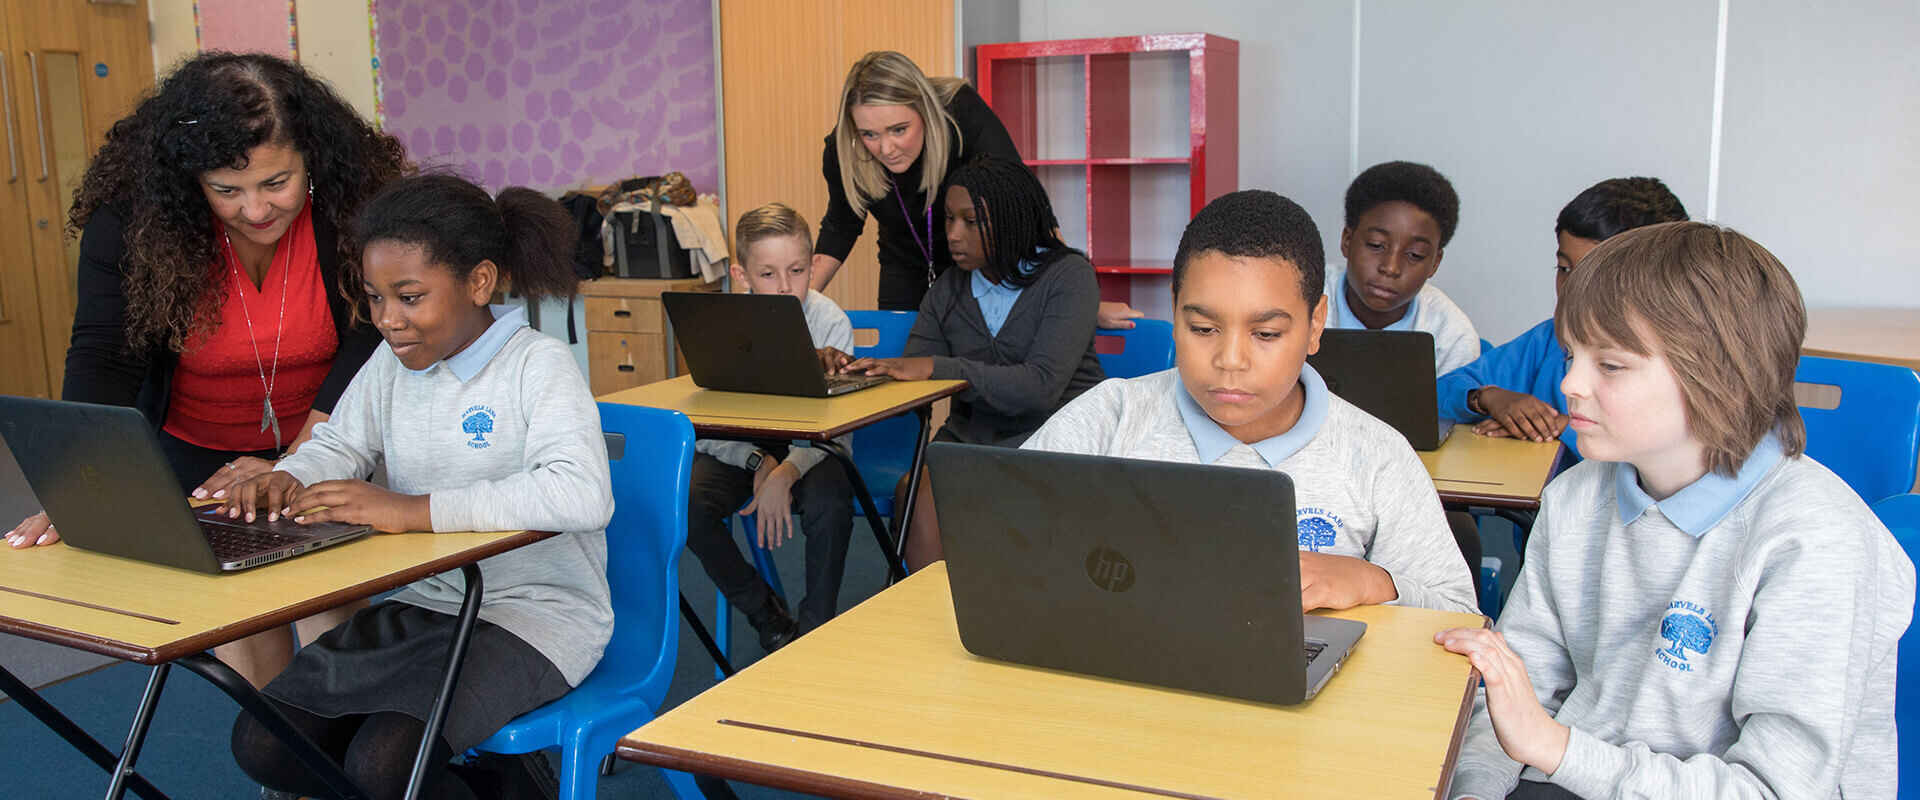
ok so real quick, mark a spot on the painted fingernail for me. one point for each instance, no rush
(299, 519)
(273, 516)
(200, 494)
(43, 539)
(249, 516)
(219, 494)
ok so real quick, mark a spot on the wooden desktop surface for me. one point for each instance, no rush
(775, 416)
(884, 702)
(151, 614)
(1485, 471)
(1884, 335)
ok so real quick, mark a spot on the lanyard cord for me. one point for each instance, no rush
(926, 248)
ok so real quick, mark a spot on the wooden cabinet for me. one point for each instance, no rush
(627, 337)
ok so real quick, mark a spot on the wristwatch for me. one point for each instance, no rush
(754, 460)
(1473, 401)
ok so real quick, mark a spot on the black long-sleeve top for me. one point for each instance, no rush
(903, 265)
(100, 367)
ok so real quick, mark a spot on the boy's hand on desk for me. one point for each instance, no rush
(773, 501)
(1526, 731)
(33, 532)
(362, 503)
(917, 368)
(832, 361)
(235, 471)
(1336, 582)
(1521, 416)
(269, 493)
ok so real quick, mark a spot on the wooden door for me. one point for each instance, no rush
(23, 359)
(73, 69)
(781, 67)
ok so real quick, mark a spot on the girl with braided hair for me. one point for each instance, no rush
(1015, 320)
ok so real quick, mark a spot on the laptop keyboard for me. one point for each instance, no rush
(231, 543)
(1313, 649)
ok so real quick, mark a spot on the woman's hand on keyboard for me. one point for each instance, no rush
(268, 493)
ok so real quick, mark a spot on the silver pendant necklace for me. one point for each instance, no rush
(268, 421)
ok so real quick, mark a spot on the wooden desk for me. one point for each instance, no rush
(159, 616)
(884, 702)
(1470, 469)
(1884, 335)
(747, 417)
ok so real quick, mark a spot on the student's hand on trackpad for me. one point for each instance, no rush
(33, 532)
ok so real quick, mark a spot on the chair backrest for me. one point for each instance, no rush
(651, 470)
(1901, 514)
(892, 327)
(884, 449)
(1147, 348)
(1871, 438)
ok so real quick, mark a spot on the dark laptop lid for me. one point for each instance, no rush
(1388, 374)
(103, 481)
(1179, 575)
(746, 342)
(16, 497)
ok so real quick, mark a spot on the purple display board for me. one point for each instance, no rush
(552, 93)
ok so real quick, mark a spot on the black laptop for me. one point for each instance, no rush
(1180, 575)
(752, 343)
(1388, 374)
(100, 474)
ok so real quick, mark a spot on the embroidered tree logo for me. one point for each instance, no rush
(1316, 533)
(479, 424)
(1687, 632)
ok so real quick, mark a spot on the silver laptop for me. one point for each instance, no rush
(101, 477)
(1388, 374)
(1180, 575)
(752, 343)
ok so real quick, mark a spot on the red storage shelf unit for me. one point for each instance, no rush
(1009, 80)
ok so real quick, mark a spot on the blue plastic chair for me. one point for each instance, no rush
(884, 450)
(1872, 438)
(644, 541)
(1901, 514)
(1147, 348)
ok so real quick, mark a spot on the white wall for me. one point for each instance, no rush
(1524, 104)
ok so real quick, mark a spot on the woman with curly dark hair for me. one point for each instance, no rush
(217, 289)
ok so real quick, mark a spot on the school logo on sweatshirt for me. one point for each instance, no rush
(477, 421)
(1688, 628)
(1319, 529)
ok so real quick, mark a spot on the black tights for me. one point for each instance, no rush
(376, 749)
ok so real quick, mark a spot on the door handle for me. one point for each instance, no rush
(6, 101)
(39, 115)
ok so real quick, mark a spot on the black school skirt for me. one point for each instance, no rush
(389, 657)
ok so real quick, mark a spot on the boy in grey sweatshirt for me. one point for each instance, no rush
(1248, 309)
(1704, 611)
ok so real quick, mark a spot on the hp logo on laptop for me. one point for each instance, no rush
(1109, 570)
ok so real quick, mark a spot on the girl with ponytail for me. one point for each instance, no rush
(483, 424)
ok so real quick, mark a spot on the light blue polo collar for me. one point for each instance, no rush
(1343, 315)
(507, 320)
(1213, 441)
(1703, 503)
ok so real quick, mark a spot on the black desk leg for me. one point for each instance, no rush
(706, 639)
(1522, 529)
(137, 734)
(913, 482)
(456, 657)
(888, 549)
(263, 711)
(13, 687)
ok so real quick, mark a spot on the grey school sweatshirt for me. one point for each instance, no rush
(503, 436)
(1737, 639)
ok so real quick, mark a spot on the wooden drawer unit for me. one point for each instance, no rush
(627, 330)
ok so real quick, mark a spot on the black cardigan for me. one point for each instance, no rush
(903, 267)
(1042, 358)
(100, 367)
